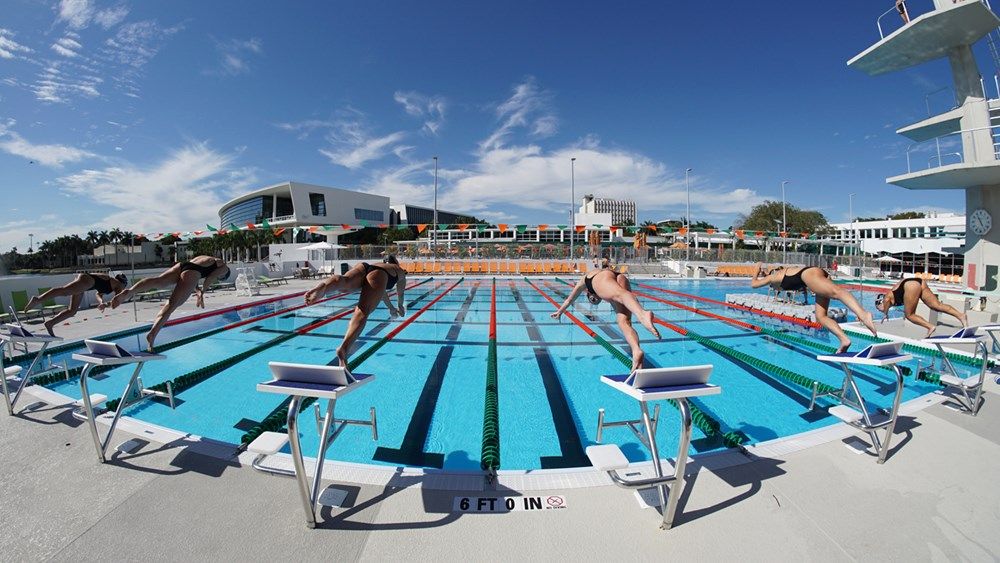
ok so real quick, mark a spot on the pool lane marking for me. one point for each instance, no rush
(411, 449)
(275, 421)
(779, 316)
(570, 446)
(708, 425)
(806, 382)
(192, 378)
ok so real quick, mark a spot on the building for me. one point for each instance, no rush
(622, 211)
(415, 214)
(294, 204)
(942, 233)
(125, 255)
(960, 140)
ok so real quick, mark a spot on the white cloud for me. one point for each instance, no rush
(55, 86)
(67, 47)
(183, 191)
(78, 14)
(234, 56)
(521, 110)
(8, 47)
(48, 155)
(351, 142)
(111, 17)
(430, 108)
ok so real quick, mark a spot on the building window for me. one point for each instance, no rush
(369, 215)
(317, 202)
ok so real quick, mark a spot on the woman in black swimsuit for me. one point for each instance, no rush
(103, 284)
(614, 288)
(184, 277)
(374, 283)
(909, 293)
(818, 281)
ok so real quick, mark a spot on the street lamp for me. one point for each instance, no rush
(687, 235)
(850, 213)
(31, 242)
(572, 202)
(435, 207)
(784, 226)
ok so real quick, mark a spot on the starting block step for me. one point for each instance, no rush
(959, 381)
(11, 371)
(845, 413)
(268, 443)
(607, 457)
(95, 400)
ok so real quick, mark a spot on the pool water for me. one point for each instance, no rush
(429, 388)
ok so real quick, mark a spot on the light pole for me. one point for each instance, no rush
(572, 202)
(784, 226)
(850, 214)
(31, 242)
(435, 207)
(687, 221)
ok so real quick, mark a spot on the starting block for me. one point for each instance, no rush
(299, 382)
(16, 335)
(645, 385)
(110, 354)
(971, 388)
(853, 411)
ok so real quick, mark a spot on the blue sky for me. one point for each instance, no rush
(148, 115)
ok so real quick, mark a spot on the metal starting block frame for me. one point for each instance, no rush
(11, 340)
(610, 458)
(128, 398)
(328, 427)
(853, 411)
(971, 388)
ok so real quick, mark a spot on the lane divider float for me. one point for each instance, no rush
(491, 410)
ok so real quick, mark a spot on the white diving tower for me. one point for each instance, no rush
(956, 149)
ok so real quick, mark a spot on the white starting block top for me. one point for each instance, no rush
(967, 335)
(664, 383)
(607, 457)
(307, 380)
(110, 354)
(17, 333)
(883, 354)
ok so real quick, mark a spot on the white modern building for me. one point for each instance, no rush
(942, 233)
(404, 213)
(622, 211)
(294, 204)
(124, 255)
(955, 148)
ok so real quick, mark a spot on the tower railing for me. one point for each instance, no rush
(893, 10)
(941, 152)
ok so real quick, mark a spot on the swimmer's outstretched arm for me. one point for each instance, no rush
(580, 285)
(758, 279)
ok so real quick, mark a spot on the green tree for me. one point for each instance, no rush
(767, 217)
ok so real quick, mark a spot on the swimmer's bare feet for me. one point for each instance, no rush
(930, 331)
(48, 328)
(965, 320)
(844, 345)
(149, 342)
(342, 357)
(31, 303)
(647, 321)
(637, 360)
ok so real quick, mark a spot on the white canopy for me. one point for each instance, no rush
(321, 246)
(887, 259)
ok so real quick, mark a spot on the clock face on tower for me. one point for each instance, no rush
(980, 222)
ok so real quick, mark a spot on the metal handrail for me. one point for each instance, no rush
(878, 20)
(939, 158)
(909, 149)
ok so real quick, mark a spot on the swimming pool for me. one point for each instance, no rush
(431, 375)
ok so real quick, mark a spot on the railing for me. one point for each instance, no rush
(878, 20)
(939, 156)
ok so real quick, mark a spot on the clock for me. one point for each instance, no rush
(980, 222)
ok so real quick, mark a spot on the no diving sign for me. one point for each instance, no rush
(509, 504)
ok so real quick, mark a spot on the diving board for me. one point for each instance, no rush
(852, 411)
(301, 382)
(15, 335)
(111, 355)
(645, 385)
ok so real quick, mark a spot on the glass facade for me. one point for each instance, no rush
(249, 211)
(317, 203)
(369, 215)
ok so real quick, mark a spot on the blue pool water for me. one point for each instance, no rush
(429, 389)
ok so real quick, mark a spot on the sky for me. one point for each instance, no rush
(148, 116)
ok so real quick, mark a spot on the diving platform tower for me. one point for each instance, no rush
(957, 149)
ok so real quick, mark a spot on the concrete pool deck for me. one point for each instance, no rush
(933, 499)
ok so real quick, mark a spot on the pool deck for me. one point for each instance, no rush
(934, 499)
